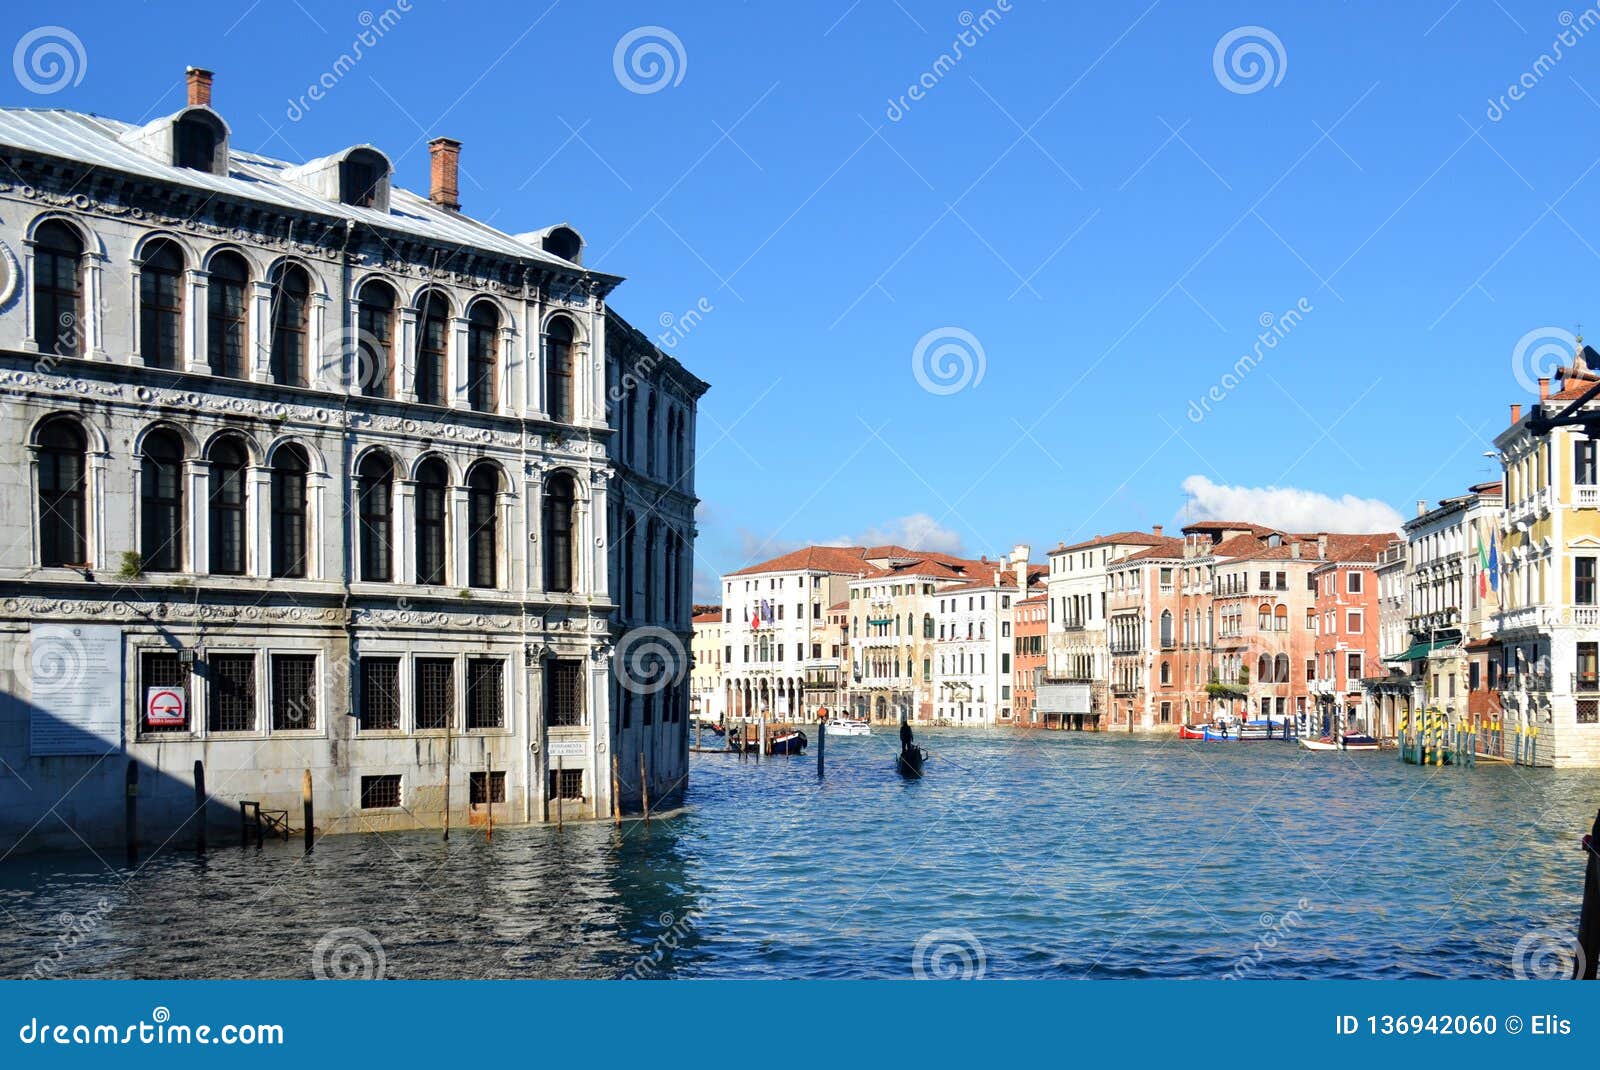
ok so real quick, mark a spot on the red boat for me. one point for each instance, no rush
(1192, 731)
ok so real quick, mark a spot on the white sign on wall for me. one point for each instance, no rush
(74, 689)
(568, 748)
(165, 707)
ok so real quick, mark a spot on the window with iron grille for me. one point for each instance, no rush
(485, 698)
(162, 669)
(435, 687)
(566, 783)
(294, 691)
(380, 792)
(563, 693)
(1588, 711)
(497, 788)
(233, 693)
(380, 694)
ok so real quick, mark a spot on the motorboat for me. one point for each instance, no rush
(846, 727)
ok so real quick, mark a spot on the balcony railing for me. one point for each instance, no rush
(1531, 682)
(1585, 683)
(1586, 496)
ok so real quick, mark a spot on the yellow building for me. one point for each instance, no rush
(1546, 563)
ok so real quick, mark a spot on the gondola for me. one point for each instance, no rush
(910, 762)
(787, 743)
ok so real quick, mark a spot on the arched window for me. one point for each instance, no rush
(560, 509)
(433, 484)
(63, 463)
(628, 606)
(1264, 618)
(375, 509)
(58, 289)
(558, 369)
(1166, 673)
(1166, 628)
(433, 344)
(291, 301)
(483, 549)
(227, 315)
(927, 626)
(161, 503)
(195, 139)
(289, 469)
(1264, 669)
(227, 507)
(483, 346)
(1280, 667)
(375, 342)
(652, 567)
(161, 305)
(1281, 618)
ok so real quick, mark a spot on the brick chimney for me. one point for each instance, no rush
(1544, 389)
(1516, 413)
(1156, 530)
(444, 189)
(1422, 507)
(199, 87)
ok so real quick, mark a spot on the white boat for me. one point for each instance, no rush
(843, 727)
(1351, 741)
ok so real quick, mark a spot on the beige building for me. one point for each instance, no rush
(706, 698)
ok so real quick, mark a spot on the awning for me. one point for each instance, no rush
(1418, 651)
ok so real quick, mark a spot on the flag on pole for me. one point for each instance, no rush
(1494, 566)
(1483, 563)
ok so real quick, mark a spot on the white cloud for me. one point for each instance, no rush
(919, 531)
(1287, 508)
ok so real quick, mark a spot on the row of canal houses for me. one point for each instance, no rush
(1484, 608)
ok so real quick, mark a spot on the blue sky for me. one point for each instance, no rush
(1081, 195)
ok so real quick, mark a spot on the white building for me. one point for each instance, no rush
(974, 645)
(309, 472)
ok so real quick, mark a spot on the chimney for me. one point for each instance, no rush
(199, 87)
(1322, 547)
(1544, 389)
(444, 189)
(1294, 551)
(1156, 530)
(1422, 507)
(1516, 413)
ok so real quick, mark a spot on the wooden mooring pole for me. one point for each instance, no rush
(307, 812)
(488, 793)
(561, 793)
(644, 785)
(616, 790)
(199, 807)
(822, 745)
(447, 781)
(130, 802)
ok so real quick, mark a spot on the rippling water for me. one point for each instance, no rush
(1048, 855)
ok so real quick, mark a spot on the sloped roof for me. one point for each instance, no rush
(1122, 538)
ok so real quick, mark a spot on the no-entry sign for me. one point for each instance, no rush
(165, 707)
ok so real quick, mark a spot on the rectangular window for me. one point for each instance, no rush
(294, 691)
(476, 794)
(563, 693)
(380, 792)
(434, 693)
(1354, 582)
(1588, 675)
(380, 694)
(1588, 711)
(1583, 462)
(1352, 622)
(1353, 670)
(163, 669)
(485, 693)
(1583, 581)
(566, 784)
(233, 693)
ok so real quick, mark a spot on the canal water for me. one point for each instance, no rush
(1018, 856)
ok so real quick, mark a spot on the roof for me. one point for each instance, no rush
(710, 616)
(872, 561)
(1166, 548)
(848, 560)
(1007, 579)
(97, 141)
(1127, 538)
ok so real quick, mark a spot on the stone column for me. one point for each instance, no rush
(91, 317)
(196, 310)
(317, 516)
(258, 357)
(456, 374)
(404, 358)
(197, 514)
(533, 510)
(258, 502)
(456, 538)
(599, 503)
(405, 521)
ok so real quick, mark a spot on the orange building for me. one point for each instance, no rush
(1347, 646)
(1028, 626)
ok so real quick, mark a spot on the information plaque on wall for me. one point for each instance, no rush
(74, 689)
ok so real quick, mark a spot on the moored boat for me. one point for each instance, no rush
(787, 743)
(1192, 731)
(844, 727)
(1352, 741)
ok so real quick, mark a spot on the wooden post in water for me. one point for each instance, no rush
(130, 802)
(488, 793)
(561, 794)
(307, 812)
(200, 807)
(447, 780)
(644, 785)
(616, 790)
(822, 745)
(244, 827)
